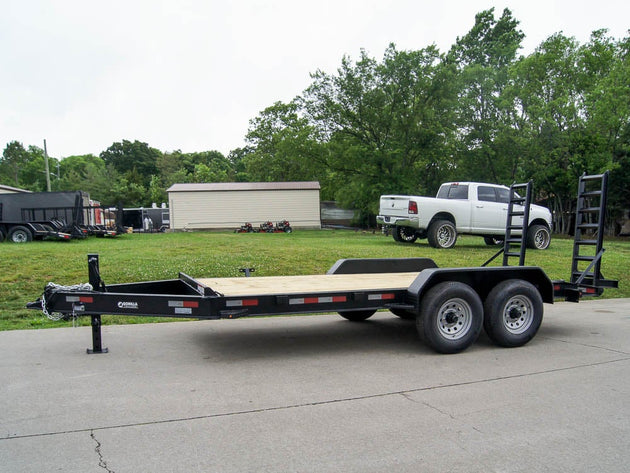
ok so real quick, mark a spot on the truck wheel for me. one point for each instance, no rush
(20, 234)
(442, 234)
(404, 234)
(538, 237)
(492, 241)
(403, 314)
(357, 315)
(451, 317)
(513, 313)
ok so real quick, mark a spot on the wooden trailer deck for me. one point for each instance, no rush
(270, 285)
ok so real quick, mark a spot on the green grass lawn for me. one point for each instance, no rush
(26, 268)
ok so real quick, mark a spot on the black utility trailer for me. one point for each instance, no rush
(450, 305)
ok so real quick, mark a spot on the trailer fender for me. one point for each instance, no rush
(482, 280)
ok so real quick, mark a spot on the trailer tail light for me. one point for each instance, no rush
(413, 207)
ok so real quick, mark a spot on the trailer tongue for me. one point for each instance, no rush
(450, 305)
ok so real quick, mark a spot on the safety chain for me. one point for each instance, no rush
(52, 287)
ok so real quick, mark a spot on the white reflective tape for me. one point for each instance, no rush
(322, 300)
(183, 310)
(72, 299)
(296, 301)
(176, 303)
(374, 297)
(238, 303)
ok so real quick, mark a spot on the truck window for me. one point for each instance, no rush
(486, 193)
(454, 191)
(503, 195)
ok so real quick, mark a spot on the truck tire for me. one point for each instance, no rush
(513, 312)
(442, 234)
(538, 237)
(20, 234)
(357, 315)
(451, 317)
(492, 241)
(404, 234)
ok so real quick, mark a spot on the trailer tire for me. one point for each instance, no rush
(404, 234)
(1, 236)
(538, 237)
(442, 234)
(20, 234)
(357, 315)
(513, 313)
(451, 317)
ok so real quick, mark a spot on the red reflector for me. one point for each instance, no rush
(339, 298)
(413, 207)
(193, 304)
(86, 299)
(250, 302)
(590, 290)
(311, 300)
(387, 296)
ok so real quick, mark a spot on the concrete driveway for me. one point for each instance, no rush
(318, 394)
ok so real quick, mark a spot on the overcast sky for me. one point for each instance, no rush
(190, 74)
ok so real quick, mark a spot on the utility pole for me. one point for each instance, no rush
(46, 167)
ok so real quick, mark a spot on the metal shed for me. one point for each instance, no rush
(231, 204)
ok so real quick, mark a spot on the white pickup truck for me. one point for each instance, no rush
(460, 207)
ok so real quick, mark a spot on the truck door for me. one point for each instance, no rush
(489, 210)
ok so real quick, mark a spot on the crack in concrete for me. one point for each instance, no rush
(101, 460)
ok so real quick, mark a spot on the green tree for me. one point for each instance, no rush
(387, 125)
(485, 119)
(283, 146)
(136, 160)
(14, 158)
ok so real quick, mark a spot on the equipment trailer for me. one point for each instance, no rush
(450, 305)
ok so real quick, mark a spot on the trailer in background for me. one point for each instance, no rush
(62, 215)
(141, 219)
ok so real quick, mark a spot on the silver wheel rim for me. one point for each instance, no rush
(540, 239)
(454, 319)
(445, 235)
(518, 314)
(19, 237)
(405, 235)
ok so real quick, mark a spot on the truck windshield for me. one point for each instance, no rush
(453, 191)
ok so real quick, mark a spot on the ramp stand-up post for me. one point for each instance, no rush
(95, 282)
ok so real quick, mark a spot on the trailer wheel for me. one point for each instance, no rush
(357, 315)
(442, 234)
(404, 234)
(538, 237)
(403, 314)
(451, 317)
(20, 234)
(513, 313)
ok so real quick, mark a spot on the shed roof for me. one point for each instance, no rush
(244, 186)
(12, 189)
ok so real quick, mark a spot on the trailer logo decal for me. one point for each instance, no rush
(127, 305)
